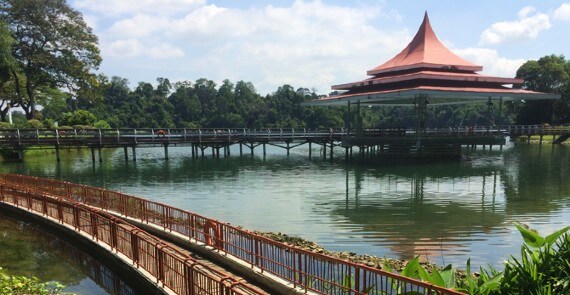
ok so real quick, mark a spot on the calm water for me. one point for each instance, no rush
(29, 251)
(445, 212)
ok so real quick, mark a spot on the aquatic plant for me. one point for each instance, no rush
(11, 284)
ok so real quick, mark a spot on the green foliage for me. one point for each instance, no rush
(101, 124)
(488, 282)
(550, 74)
(6, 125)
(10, 284)
(544, 265)
(54, 48)
(544, 268)
(79, 117)
(35, 124)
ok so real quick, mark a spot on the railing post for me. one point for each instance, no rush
(59, 211)
(76, 219)
(135, 246)
(94, 226)
(159, 263)
(113, 230)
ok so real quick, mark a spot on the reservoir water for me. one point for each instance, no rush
(445, 212)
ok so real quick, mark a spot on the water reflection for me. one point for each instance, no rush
(456, 209)
(29, 251)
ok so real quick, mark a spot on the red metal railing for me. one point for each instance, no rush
(172, 268)
(311, 271)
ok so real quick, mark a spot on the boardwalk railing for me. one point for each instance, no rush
(302, 268)
(139, 137)
(173, 269)
(157, 136)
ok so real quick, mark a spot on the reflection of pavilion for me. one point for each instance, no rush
(425, 211)
(424, 74)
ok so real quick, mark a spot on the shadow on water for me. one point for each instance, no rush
(29, 251)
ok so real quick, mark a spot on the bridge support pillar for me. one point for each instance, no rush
(310, 150)
(57, 157)
(100, 155)
(251, 149)
(192, 148)
(126, 152)
(93, 155)
(264, 150)
(20, 155)
(134, 153)
(331, 153)
(240, 149)
(166, 152)
(325, 150)
(287, 149)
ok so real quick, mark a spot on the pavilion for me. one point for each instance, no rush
(425, 73)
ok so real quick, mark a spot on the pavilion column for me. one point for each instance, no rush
(347, 119)
(359, 130)
(500, 117)
(490, 113)
(421, 114)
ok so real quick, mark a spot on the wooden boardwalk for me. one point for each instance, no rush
(86, 210)
(383, 142)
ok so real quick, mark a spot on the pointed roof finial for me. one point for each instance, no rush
(425, 51)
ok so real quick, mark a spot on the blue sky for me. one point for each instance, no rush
(312, 44)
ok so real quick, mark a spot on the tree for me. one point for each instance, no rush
(548, 74)
(54, 47)
(7, 64)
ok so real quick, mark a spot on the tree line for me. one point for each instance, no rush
(48, 56)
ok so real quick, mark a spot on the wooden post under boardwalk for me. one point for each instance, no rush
(57, 157)
(134, 154)
(126, 152)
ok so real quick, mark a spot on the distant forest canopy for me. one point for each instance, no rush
(48, 56)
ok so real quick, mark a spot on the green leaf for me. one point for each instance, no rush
(493, 283)
(448, 276)
(531, 237)
(411, 268)
(554, 236)
(437, 279)
(424, 275)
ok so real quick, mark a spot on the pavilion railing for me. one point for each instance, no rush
(302, 268)
(173, 269)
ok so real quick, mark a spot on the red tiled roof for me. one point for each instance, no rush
(425, 51)
(432, 75)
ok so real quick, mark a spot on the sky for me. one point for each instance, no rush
(312, 44)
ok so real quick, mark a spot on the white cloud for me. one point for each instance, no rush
(129, 7)
(562, 12)
(124, 48)
(306, 44)
(492, 63)
(529, 24)
(164, 51)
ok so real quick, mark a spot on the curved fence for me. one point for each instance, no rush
(173, 269)
(302, 268)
